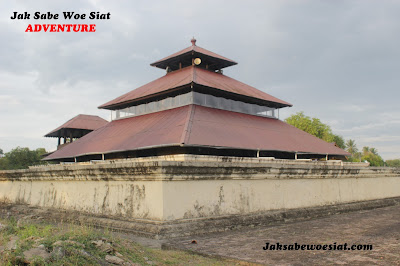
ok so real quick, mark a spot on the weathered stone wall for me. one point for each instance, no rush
(193, 199)
(139, 199)
(176, 189)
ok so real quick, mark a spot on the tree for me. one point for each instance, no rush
(339, 140)
(351, 147)
(20, 158)
(3, 163)
(1, 152)
(373, 151)
(393, 163)
(315, 127)
(371, 155)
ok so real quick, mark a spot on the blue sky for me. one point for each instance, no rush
(335, 60)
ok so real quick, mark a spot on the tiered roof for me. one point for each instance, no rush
(199, 70)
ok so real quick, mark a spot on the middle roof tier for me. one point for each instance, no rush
(196, 79)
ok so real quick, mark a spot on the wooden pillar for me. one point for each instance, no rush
(59, 141)
(70, 137)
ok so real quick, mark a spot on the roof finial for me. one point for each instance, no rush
(193, 40)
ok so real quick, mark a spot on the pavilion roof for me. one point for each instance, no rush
(187, 76)
(194, 125)
(217, 60)
(85, 122)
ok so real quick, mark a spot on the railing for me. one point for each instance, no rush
(199, 99)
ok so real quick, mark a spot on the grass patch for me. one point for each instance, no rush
(69, 244)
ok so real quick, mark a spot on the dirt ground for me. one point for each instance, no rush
(378, 227)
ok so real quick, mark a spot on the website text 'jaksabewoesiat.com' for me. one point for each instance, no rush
(332, 246)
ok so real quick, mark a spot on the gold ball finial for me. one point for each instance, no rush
(193, 40)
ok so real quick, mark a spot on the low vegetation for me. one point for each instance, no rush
(21, 158)
(393, 163)
(23, 242)
(315, 127)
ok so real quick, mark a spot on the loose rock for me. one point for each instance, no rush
(12, 245)
(114, 260)
(36, 252)
(98, 243)
(107, 248)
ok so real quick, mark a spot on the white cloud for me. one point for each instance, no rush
(382, 138)
(355, 108)
(7, 100)
(370, 126)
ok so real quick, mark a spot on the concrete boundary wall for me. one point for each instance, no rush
(161, 196)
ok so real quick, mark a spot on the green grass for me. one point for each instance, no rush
(80, 251)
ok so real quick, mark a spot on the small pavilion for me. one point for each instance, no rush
(195, 109)
(76, 128)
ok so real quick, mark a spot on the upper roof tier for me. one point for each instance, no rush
(79, 122)
(185, 57)
(199, 79)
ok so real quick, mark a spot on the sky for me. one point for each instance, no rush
(338, 61)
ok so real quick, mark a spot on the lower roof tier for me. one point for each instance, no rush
(195, 125)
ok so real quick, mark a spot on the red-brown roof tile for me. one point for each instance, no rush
(194, 48)
(186, 76)
(88, 122)
(212, 127)
(194, 125)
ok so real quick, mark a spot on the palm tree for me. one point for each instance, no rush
(373, 151)
(366, 150)
(351, 147)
